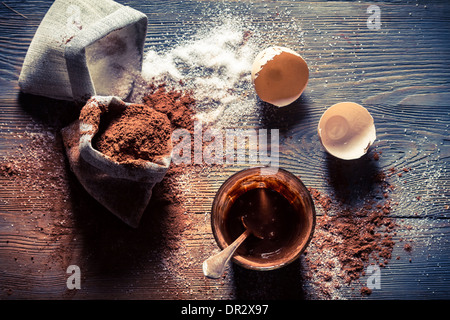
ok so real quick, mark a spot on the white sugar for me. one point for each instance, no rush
(215, 64)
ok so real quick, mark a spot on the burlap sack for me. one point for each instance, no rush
(123, 189)
(80, 44)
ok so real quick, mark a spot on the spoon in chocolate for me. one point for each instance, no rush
(214, 266)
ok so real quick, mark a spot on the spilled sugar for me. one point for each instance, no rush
(215, 63)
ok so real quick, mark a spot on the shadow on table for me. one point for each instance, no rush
(49, 112)
(110, 248)
(284, 118)
(283, 283)
(352, 180)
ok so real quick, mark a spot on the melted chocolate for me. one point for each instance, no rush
(274, 222)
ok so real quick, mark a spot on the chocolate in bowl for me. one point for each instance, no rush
(295, 227)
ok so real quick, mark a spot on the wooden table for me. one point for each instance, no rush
(400, 73)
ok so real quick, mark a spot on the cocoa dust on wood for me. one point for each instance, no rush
(178, 106)
(34, 190)
(348, 238)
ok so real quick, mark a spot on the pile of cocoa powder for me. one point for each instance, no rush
(364, 234)
(139, 132)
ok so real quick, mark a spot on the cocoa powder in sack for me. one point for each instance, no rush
(119, 151)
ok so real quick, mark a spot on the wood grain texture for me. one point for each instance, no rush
(401, 73)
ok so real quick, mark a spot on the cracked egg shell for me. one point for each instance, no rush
(346, 130)
(279, 75)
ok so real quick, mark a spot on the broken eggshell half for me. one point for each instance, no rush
(279, 75)
(347, 130)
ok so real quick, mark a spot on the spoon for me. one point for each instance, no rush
(214, 266)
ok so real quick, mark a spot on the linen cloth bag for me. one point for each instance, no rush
(125, 190)
(84, 48)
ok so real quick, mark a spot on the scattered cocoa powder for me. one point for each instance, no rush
(8, 169)
(407, 247)
(352, 235)
(323, 200)
(361, 238)
(178, 106)
(34, 187)
(365, 291)
(376, 156)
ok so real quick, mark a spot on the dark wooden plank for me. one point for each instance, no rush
(400, 73)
